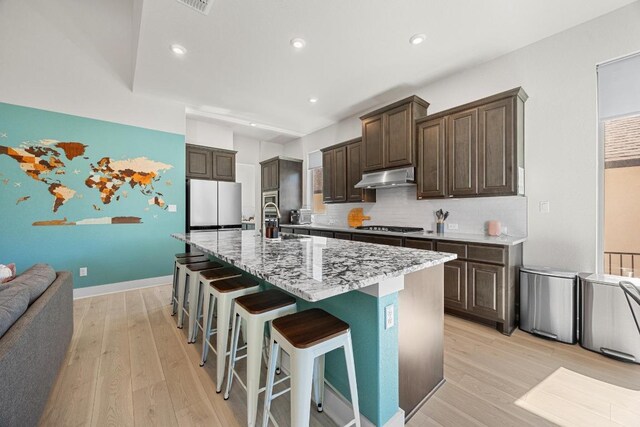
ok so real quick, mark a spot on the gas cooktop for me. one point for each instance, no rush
(392, 228)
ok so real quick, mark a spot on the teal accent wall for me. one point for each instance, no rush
(112, 253)
(375, 351)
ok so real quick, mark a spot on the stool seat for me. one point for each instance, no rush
(310, 327)
(233, 284)
(220, 273)
(187, 254)
(192, 259)
(201, 266)
(262, 302)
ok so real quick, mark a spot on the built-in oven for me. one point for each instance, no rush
(270, 197)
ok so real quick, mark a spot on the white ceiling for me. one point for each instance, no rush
(240, 64)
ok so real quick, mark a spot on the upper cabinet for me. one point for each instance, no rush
(388, 139)
(481, 145)
(341, 171)
(284, 176)
(210, 163)
(270, 179)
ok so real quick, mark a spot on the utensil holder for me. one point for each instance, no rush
(440, 227)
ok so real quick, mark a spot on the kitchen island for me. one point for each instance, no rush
(392, 298)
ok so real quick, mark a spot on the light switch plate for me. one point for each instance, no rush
(451, 226)
(389, 316)
(173, 208)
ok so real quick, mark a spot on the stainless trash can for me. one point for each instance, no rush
(609, 320)
(548, 300)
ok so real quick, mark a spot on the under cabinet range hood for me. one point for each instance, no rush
(388, 178)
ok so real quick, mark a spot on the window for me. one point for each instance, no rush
(619, 117)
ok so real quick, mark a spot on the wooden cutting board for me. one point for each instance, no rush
(356, 216)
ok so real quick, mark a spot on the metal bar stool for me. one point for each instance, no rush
(192, 276)
(257, 310)
(307, 336)
(220, 288)
(179, 276)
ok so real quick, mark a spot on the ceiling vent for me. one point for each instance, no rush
(202, 6)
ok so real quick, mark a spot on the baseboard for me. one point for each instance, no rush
(92, 291)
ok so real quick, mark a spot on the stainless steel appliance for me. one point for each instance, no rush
(548, 300)
(269, 197)
(392, 228)
(300, 216)
(608, 320)
(213, 205)
(387, 179)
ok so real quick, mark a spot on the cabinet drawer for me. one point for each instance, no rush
(418, 243)
(459, 249)
(343, 236)
(493, 254)
(322, 233)
(382, 240)
(286, 230)
(300, 231)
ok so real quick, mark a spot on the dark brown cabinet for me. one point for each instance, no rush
(321, 233)
(270, 175)
(455, 284)
(483, 148)
(341, 171)
(486, 291)
(427, 245)
(210, 163)
(283, 176)
(388, 135)
(431, 158)
(373, 238)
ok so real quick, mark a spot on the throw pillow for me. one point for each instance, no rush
(7, 272)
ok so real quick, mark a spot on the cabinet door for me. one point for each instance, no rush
(462, 145)
(455, 285)
(321, 233)
(431, 158)
(418, 243)
(340, 174)
(274, 175)
(496, 153)
(199, 163)
(372, 143)
(342, 236)
(328, 175)
(354, 172)
(224, 166)
(486, 291)
(398, 137)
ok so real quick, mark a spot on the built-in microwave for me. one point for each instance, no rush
(270, 197)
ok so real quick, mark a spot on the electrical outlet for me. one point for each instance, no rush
(451, 226)
(172, 208)
(544, 207)
(389, 317)
(83, 271)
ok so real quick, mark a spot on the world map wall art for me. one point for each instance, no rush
(57, 165)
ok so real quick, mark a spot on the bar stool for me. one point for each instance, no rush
(256, 309)
(219, 292)
(307, 336)
(179, 276)
(192, 276)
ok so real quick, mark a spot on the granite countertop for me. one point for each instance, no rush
(457, 237)
(313, 268)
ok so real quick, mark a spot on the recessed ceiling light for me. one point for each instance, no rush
(253, 124)
(178, 50)
(298, 43)
(417, 38)
(313, 100)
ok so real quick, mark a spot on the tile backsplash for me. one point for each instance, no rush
(399, 206)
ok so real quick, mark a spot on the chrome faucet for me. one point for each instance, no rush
(265, 219)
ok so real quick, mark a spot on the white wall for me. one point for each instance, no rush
(64, 56)
(201, 132)
(561, 149)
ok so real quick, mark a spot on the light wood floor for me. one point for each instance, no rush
(128, 364)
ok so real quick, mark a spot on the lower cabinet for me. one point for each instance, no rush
(300, 231)
(322, 233)
(374, 238)
(455, 284)
(342, 236)
(486, 291)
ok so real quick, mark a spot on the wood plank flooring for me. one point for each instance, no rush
(129, 365)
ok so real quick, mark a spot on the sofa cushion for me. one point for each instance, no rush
(36, 279)
(13, 303)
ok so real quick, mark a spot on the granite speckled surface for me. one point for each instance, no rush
(313, 268)
(447, 236)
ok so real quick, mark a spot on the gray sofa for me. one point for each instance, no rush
(32, 351)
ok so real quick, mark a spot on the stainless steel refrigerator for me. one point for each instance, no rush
(213, 205)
